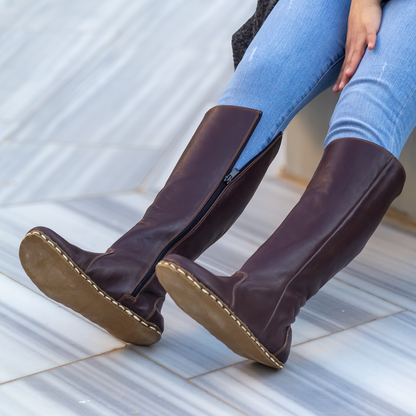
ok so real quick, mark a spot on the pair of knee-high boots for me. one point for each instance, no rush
(252, 310)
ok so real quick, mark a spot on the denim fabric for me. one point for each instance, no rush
(379, 103)
(298, 53)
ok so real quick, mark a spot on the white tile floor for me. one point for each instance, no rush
(97, 101)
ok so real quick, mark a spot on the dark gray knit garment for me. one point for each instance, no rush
(243, 37)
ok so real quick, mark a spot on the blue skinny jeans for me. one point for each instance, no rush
(298, 53)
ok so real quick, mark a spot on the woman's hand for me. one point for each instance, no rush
(363, 25)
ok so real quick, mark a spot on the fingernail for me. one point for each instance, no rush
(341, 86)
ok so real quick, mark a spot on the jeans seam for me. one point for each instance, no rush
(308, 93)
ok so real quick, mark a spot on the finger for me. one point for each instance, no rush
(338, 82)
(345, 65)
(354, 52)
(355, 61)
(343, 76)
(353, 64)
(371, 40)
(335, 87)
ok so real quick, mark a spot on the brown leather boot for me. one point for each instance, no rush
(252, 310)
(202, 198)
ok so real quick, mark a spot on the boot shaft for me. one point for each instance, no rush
(252, 310)
(200, 201)
(350, 192)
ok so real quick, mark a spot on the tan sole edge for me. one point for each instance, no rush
(59, 278)
(207, 309)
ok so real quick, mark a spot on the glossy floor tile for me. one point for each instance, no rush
(137, 96)
(337, 307)
(386, 267)
(101, 16)
(36, 335)
(195, 23)
(6, 129)
(32, 172)
(92, 224)
(120, 383)
(34, 65)
(364, 371)
(9, 10)
(158, 177)
(187, 348)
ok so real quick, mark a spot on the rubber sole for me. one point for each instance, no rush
(59, 278)
(207, 309)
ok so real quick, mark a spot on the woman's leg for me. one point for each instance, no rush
(296, 55)
(379, 103)
(252, 310)
(353, 186)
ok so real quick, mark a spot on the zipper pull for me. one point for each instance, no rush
(231, 176)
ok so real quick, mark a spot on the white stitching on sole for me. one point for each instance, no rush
(65, 257)
(246, 330)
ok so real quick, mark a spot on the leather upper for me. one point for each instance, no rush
(201, 169)
(352, 188)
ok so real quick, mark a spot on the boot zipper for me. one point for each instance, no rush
(228, 178)
(226, 181)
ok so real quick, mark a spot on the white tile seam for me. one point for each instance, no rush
(353, 327)
(369, 293)
(220, 369)
(221, 400)
(189, 379)
(305, 342)
(156, 362)
(114, 350)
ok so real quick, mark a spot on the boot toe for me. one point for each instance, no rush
(58, 274)
(82, 257)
